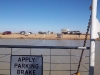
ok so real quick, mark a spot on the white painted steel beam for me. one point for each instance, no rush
(92, 38)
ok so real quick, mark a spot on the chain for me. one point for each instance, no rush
(84, 44)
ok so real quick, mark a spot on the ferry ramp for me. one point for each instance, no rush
(58, 59)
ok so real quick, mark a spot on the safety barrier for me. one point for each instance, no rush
(57, 60)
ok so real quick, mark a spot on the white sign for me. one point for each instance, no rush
(26, 65)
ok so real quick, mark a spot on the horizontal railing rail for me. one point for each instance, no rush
(43, 47)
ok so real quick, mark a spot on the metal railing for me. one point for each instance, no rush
(57, 60)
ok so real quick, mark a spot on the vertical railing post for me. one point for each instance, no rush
(50, 63)
(30, 51)
(70, 61)
(11, 51)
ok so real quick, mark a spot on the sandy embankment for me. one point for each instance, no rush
(42, 36)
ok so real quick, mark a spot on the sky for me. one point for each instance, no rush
(45, 15)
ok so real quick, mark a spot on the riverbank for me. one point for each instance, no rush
(46, 37)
